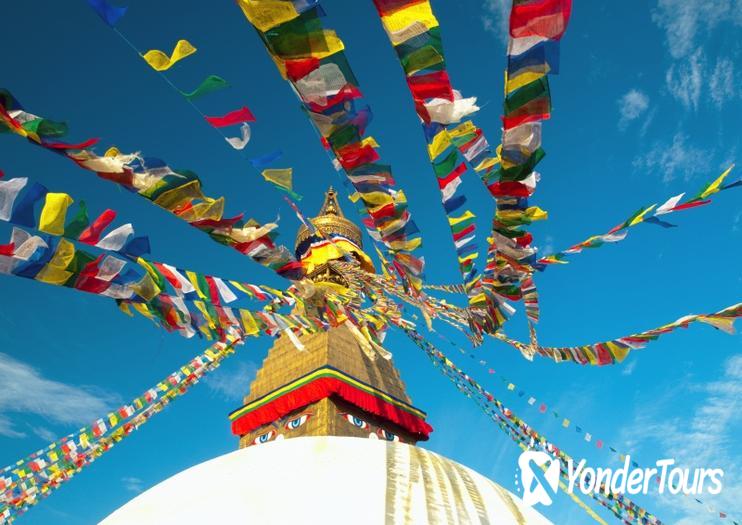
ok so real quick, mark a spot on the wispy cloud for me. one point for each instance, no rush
(687, 24)
(495, 18)
(44, 433)
(628, 369)
(684, 79)
(25, 390)
(686, 21)
(722, 82)
(631, 106)
(672, 159)
(132, 484)
(232, 384)
(705, 438)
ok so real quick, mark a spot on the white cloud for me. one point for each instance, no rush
(44, 433)
(232, 384)
(683, 21)
(684, 79)
(631, 106)
(671, 160)
(133, 484)
(707, 439)
(496, 18)
(687, 24)
(737, 222)
(23, 389)
(721, 83)
(628, 369)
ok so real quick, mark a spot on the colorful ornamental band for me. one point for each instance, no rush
(322, 383)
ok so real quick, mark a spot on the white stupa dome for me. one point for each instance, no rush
(327, 480)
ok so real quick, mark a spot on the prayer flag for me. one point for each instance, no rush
(161, 62)
(237, 116)
(108, 13)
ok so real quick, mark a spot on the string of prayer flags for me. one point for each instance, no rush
(526, 436)
(311, 58)
(210, 84)
(159, 61)
(26, 482)
(414, 33)
(110, 14)
(281, 179)
(238, 116)
(20, 202)
(177, 191)
(240, 142)
(615, 351)
(620, 232)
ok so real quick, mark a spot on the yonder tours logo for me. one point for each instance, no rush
(539, 476)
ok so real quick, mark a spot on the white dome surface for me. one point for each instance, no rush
(327, 480)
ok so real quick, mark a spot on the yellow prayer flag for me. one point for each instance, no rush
(54, 213)
(408, 22)
(438, 145)
(619, 352)
(211, 209)
(54, 272)
(714, 186)
(464, 128)
(465, 216)
(280, 177)
(170, 199)
(161, 62)
(370, 141)
(266, 14)
(640, 218)
(248, 322)
(536, 214)
(377, 198)
(565, 423)
(487, 163)
(113, 151)
(521, 80)
(406, 245)
(193, 278)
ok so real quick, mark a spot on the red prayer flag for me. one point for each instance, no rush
(64, 145)
(352, 157)
(692, 204)
(91, 235)
(301, 67)
(88, 279)
(238, 116)
(509, 189)
(7, 249)
(547, 18)
(431, 85)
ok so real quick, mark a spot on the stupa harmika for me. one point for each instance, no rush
(328, 436)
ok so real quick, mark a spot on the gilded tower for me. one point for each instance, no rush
(332, 388)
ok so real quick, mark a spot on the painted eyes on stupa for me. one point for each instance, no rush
(295, 423)
(355, 421)
(264, 438)
(386, 435)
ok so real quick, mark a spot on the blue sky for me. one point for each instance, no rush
(647, 105)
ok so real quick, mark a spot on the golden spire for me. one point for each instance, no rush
(334, 226)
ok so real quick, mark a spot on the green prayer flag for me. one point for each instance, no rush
(78, 223)
(208, 85)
